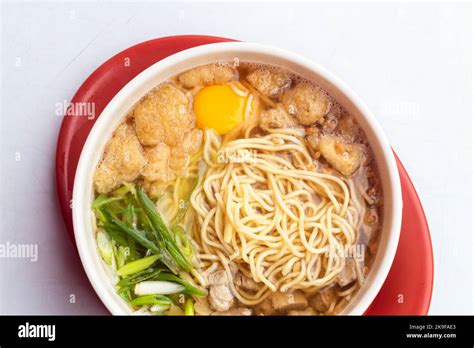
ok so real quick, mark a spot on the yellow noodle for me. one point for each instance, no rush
(280, 221)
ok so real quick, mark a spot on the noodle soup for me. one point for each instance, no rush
(238, 189)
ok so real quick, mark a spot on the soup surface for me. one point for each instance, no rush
(238, 189)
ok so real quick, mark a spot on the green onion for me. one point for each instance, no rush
(152, 300)
(161, 231)
(126, 294)
(137, 265)
(189, 307)
(138, 277)
(159, 309)
(104, 199)
(129, 216)
(122, 191)
(104, 244)
(100, 216)
(116, 207)
(115, 234)
(159, 287)
(130, 227)
(189, 288)
(139, 237)
(121, 256)
(184, 244)
(184, 205)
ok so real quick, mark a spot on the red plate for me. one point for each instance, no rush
(407, 290)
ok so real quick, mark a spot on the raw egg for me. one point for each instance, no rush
(220, 107)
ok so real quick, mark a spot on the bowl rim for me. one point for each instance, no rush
(103, 286)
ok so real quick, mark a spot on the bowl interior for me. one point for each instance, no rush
(102, 280)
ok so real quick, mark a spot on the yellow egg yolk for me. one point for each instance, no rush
(219, 107)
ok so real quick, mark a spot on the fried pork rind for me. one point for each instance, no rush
(122, 161)
(163, 116)
(269, 82)
(180, 154)
(157, 167)
(306, 102)
(206, 75)
(345, 157)
(321, 302)
(154, 188)
(349, 127)
(276, 118)
(165, 163)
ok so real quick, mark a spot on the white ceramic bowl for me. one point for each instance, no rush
(161, 71)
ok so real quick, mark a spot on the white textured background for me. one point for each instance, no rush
(411, 63)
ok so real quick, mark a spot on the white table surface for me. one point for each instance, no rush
(411, 63)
